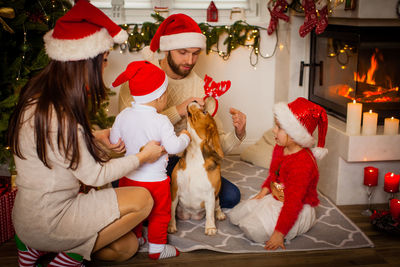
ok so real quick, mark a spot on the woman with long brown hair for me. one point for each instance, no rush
(55, 149)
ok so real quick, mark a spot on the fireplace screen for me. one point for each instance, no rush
(356, 63)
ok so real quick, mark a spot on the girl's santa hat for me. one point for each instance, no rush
(299, 119)
(147, 82)
(82, 33)
(176, 32)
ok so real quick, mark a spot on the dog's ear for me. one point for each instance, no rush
(213, 139)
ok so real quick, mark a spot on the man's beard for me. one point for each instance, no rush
(175, 67)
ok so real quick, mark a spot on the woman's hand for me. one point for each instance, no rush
(264, 191)
(275, 241)
(103, 136)
(150, 152)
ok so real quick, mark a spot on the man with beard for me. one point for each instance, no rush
(181, 40)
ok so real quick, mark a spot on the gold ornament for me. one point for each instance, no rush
(6, 12)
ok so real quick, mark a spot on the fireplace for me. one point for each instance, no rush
(356, 63)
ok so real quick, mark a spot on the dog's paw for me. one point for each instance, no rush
(211, 231)
(220, 215)
(172, 229)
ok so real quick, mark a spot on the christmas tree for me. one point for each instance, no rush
(22, 55)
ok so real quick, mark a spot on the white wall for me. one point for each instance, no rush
(252, 89)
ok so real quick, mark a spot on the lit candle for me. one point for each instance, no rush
(391, 126)
(391, 182)
(353, 121)
(370, 176)
(395, 208)
(370, 123)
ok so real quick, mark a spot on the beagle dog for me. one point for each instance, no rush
(196, 179)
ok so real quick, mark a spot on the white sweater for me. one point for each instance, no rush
(139, 124)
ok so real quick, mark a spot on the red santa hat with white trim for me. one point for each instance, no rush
(82, 33)
(176, 32)
(147, 82)
(299, 119)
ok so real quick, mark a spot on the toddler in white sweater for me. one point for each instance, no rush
(138, 125)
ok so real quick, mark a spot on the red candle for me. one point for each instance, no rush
(391, 182)
(395, 208)
(371, 176)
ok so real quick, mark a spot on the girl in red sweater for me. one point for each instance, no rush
(284, 207)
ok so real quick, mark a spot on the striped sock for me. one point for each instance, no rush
(169, 251)
(27, 256)
(66, 259)
(142, 240)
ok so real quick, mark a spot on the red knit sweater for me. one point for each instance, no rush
(298, 172)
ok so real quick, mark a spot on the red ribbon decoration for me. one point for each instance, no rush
(215, 90)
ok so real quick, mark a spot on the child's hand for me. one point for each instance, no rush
(264, 191)
(187, 133)
(275, 241)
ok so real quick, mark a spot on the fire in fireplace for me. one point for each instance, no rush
(356, 63)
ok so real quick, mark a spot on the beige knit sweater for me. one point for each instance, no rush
(179, 91)
(49, 214)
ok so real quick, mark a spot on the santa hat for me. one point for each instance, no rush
(82, 33)
(147, 82)
(176, 32)
(299, 119)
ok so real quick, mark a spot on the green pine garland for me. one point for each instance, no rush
(239, 34)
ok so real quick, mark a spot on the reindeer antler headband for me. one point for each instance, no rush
(215, 90)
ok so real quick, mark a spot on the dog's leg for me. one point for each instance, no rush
(172, 223)
(211, 229)
(218, 212)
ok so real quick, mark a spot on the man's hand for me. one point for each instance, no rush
(275, 241)
(182, 108)
(103, 136)
(239, 122)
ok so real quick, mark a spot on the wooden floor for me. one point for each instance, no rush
(385, 253)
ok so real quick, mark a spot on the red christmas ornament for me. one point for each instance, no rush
(215, 90)
(212, 13)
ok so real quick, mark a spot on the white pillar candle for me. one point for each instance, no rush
(370, 123)
(391, 126)
(353, 121)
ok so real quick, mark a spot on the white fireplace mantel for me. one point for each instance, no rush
(342, 170)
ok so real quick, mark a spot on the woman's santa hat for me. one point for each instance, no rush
(299, 119)
(147, 82)
(82, 33)
(176, 32)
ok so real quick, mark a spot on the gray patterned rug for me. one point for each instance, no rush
(333, 229)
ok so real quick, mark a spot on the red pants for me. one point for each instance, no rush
(160, 215)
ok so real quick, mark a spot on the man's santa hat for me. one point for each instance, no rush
(82, 33)
(147, 82)
(176, 32)
(299, 119)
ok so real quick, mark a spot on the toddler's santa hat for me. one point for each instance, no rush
(176, 32)
(147, 82)
(82, 33)
(299, 119)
